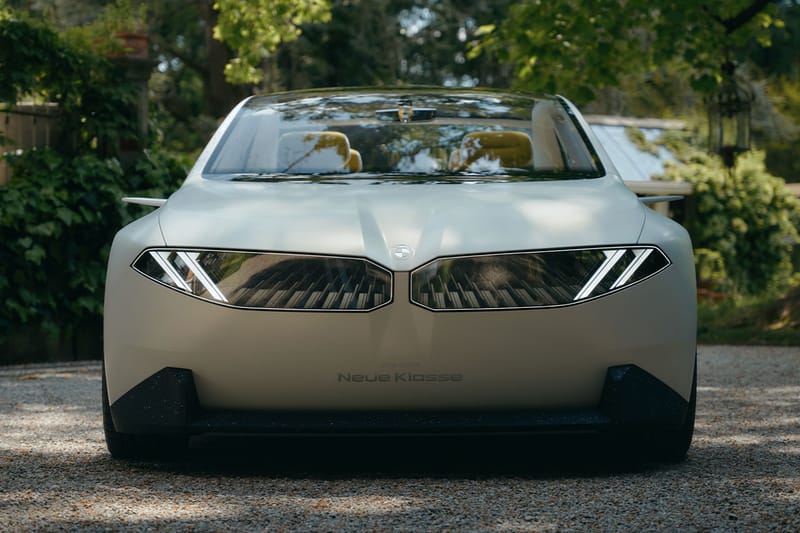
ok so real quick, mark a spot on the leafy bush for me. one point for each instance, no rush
(96, 102)
(49, 213)
(58, 216)
(711, 272)
(744, 224)
(61, 209)
(758, 319)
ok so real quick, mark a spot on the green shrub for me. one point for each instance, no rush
(58, 216)
(96, 101)
(61, 209)
(744, 223)
(711, 272)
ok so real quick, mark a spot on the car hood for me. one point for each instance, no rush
(401, 225)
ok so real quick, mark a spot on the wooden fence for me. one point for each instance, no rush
(26, 126)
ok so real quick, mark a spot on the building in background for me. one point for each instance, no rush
(636, 165)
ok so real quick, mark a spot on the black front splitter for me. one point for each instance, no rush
(166, 403)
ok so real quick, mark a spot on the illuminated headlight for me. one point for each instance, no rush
(532, 279)
(269, 280)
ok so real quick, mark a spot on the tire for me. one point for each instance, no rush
(672, 445)
(128, 446)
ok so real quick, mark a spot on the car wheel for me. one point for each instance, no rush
(672, 445)
(127, 446)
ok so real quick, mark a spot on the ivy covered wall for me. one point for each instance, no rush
(61, 208)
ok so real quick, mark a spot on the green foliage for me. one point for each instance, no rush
(33, 60)
(181, 114)
(51, 206)
(577, 47)
(157, 174)
(255, 29)
(62, 205)
(744, 222)
(434, 37)
(568, 46)
(58, 216)
(782, 149)
(94, 98)
(711, 272)
(116, 17)
(767, 318)
(389, 42)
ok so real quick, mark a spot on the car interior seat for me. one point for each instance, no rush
(506, 149)
(312, 152)
(354, 164)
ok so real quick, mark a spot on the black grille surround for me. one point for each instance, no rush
(531, 279)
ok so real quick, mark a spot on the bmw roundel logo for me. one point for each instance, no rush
(402, 251)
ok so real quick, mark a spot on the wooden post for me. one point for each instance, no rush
(137, 67)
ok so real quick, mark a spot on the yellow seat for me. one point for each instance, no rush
(486, 149)
(313, 152)
(354, 164)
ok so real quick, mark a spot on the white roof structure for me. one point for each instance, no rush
(638, 166)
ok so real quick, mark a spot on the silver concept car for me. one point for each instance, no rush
(405, 261)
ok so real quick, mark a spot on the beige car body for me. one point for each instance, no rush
(400, 356)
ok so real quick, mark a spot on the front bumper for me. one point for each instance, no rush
(166, 403)
(508, 360)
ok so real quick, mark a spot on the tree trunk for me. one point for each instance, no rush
(219, 95)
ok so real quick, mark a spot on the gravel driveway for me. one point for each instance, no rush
(742, 473)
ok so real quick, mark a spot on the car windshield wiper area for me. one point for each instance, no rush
(274, 177)
(503, 174)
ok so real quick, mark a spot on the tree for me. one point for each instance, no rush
(393, 42)
(779, 66)
(578, 48)
(436, 34)
(212, 53)
(254, 30)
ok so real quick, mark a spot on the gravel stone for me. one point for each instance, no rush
(742, 472)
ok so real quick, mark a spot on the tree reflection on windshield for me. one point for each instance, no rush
(364, 134)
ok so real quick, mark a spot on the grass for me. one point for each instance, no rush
(758, 320)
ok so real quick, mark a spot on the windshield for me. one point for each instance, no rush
(444, 134)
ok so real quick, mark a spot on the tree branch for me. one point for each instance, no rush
(742, 17)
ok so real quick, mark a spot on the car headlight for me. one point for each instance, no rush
(532, 279)
(270, 280)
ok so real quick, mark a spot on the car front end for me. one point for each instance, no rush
(399, 305)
